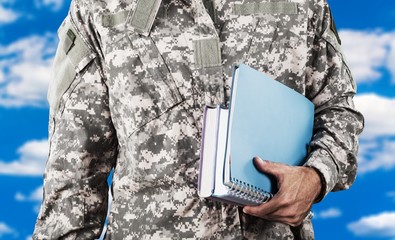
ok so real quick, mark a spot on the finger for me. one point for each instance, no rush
(264, 209)
(272, 168)
(281, 215)
(257, 211)
(291, 221)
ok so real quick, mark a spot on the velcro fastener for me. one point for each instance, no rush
(207, 52)
(265, 8)
(144, 15)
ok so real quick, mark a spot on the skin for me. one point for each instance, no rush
(298, 187)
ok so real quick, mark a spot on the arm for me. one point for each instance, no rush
(83, 143)
(331, 164)
(337, 123)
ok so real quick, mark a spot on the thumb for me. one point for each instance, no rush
(268, 167)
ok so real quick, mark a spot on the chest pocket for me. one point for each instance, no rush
(279, 36)
(72, 56)
(156, 86)
(142, 86)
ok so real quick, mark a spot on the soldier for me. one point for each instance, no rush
(129, 83)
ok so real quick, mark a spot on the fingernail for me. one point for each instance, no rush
(260, 160)
(245, 210)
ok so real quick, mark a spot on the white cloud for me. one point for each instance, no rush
(379, 113)
(382, 156)
(391, 60)
(20, 197)
(54, 5)
(4, 229)
(1, 77)
(35, 196)
(377, 147)
(7, 15)
(368, 53)
(33, 155)
(380, 225)
(25, 70)
(328, 213)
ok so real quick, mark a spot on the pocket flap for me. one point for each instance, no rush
(265, 8)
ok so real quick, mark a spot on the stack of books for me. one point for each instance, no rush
(265, 118)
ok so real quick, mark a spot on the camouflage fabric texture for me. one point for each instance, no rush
(129, 83)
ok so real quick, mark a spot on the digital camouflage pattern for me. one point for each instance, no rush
(130, 80)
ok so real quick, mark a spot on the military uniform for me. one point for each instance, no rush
(129, 83)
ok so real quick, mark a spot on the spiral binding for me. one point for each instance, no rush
(245, 191)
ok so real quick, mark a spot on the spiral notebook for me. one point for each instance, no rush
(265, 118)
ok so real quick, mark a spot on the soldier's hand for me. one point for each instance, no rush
(298, 187)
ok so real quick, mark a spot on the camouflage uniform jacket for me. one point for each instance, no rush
(130, 80)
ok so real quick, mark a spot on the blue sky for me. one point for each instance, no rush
(28, 43)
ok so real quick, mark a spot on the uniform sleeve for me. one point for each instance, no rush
(337, 123)
(83, 143)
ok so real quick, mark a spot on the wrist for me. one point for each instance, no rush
(315, 179)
